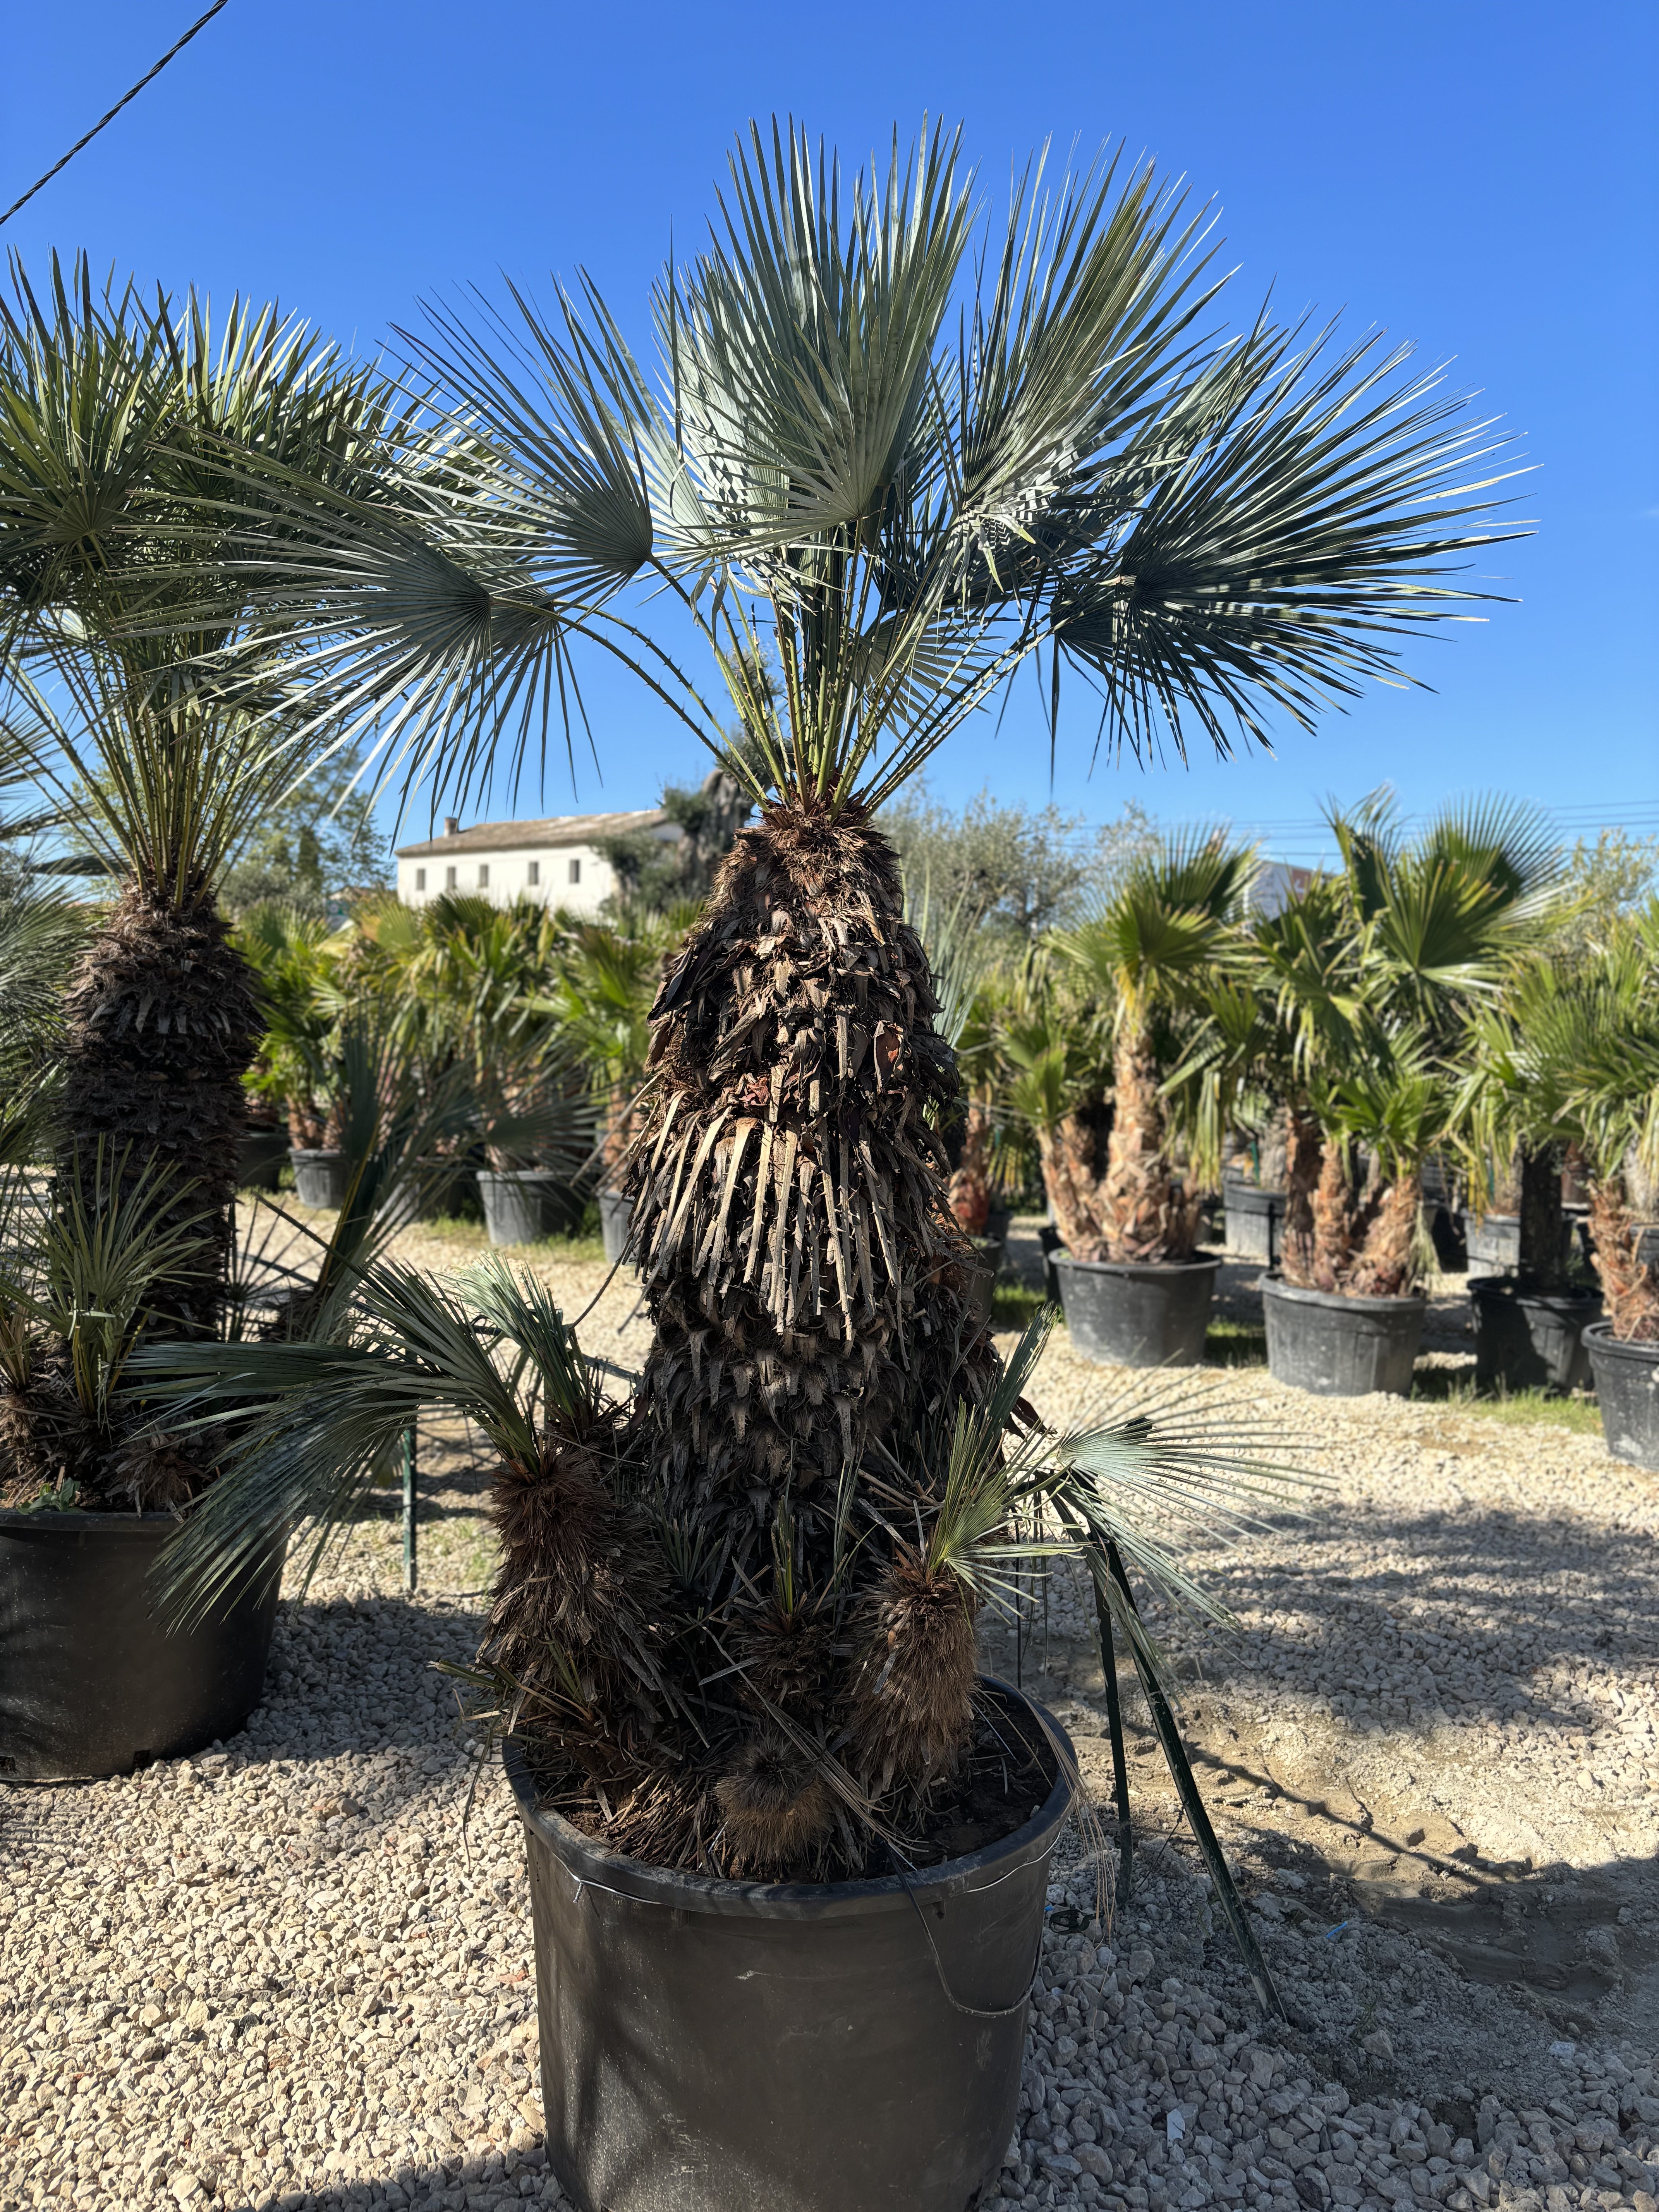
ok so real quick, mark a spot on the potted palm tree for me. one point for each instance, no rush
(734, 1628)
(152, 723)
(1132, 1286)
(1589, 1044)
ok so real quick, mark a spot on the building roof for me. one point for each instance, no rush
(556, 830)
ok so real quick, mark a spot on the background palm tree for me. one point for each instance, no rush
(893, 474)
(120, 615)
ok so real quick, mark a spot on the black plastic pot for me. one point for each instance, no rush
(1627, 1385)
(1341, 1347)
(1053, 1248)
(803, 2047)
(1255, 1220)
(1530, 1339)
(1494, 1244)
(989, 1252)
(615, 1219)
(259, 1156)
(319, 1178)
(523, 1205)
(1137, 1313)
(89, 1684)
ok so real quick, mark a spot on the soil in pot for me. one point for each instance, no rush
(319, 1178)
(89, 1683)
(523, 1205)
(616, 1218)
(1341, 1347)
(1530, 1341)
(1137, 1314)
(1627, 1387)
(826, 2047)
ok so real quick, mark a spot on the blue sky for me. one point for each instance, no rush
(1477, 177)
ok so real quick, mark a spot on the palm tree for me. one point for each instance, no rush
(118, 419)
(895, 474)
(1149, 952)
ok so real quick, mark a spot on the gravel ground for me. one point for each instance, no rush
(286, 1973)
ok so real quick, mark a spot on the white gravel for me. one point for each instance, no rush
(276, 1974)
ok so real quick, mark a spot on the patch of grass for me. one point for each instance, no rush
(1235, 1344)
(1013, 1305)
(1519, 1408)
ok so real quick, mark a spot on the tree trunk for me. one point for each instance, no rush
(1630, 1288)
(1148, 1217)
(1385, 1266)
(1543, 1224)
(162, 1021)
(811, 1295)
(1070, 1153)
(970, 1181)
(1304, 1147)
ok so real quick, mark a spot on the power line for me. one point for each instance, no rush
(177, 48)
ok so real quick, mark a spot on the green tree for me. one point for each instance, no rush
(905, 467)
(1022, 871)
(314, 843)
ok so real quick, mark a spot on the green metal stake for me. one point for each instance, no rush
(412, 1502)
(1126, 1833)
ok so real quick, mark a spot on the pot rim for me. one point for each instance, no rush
(1599, 1335)
(1209, 1263)
(315, 1153)
(596, 1866)
(72, 1518)
(519, 1174)
(1503, 1286)
(1339, 1301)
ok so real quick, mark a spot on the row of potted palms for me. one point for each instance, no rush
(733, 1632)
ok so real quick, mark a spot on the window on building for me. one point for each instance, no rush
(420, 879)
(483, 877)
(575, 871)
(532, 873)
(449, 880)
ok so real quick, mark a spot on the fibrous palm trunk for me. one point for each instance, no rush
(970, 1179)
(1070, 1152)
(161, 1020)
(1360, 1243)
(1304, 1148)
(1630, 1286)
(1543, 1223)
(810, 1291)
(1148, 1215)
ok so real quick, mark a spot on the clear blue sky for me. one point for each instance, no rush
(1479, 177)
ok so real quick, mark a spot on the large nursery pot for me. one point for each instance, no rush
(1494, 1242)
(259, 1156)
(1627, 1386)
(89, 1683)
(523, 1205)
(1530, 1339)
(1338, 1347)
(793, 2047)
(615, 1219)
(1137, 1313)
(319, 1178)
(1255, 1219)
(988, 1251)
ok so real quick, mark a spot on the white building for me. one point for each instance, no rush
(557, 861)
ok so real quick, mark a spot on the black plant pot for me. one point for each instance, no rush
(1053, 1248)
(319, 1178)
(1627, 1385)
(1137, 1313)
(523, 1205)
(1341, 1347)
(615, 1219)
(1494, 1244)
(1255, 1220)
(998, 1220)
(795, 2047)
(988, 1250)
(259, 1156)
(89, 1683)
(1530, 1339)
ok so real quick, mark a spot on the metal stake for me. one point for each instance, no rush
(411, 1504)
(1126, 1833)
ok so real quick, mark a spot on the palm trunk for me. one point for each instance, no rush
(810, 1293)
(1069, 1155)
(1630, 1287)
(162, 1021)
(1543, 1223)
(1385, 1266)
(1332, 1217)
(1303, 1161)
(1148, 1217)
(970, 1181)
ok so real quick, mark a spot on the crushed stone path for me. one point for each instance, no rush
(297, 1970)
